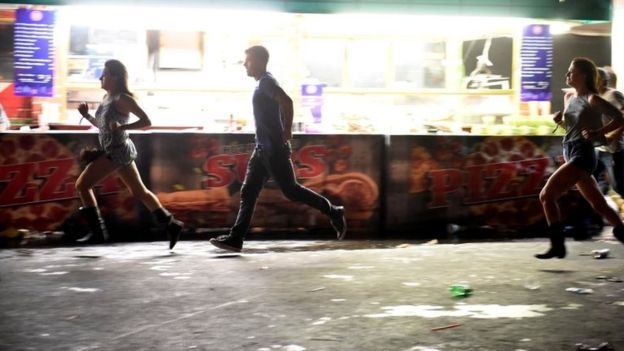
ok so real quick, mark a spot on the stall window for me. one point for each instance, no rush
(367, 62)
(223, 61)
(282, 57)
(100, 41)
(90, 47)
(324, 60)
(419, 64)
(6, 52)
(180, 50)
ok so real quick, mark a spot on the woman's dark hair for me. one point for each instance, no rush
(119, 71)
(588, 68)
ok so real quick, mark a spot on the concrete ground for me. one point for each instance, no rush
(310, 295)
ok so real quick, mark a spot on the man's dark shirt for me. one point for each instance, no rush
(267, 114)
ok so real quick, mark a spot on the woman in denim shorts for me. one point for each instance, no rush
(584, 130)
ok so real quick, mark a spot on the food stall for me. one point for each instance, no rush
(379, 93)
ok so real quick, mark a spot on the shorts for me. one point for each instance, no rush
(580, 153)
(122, 154)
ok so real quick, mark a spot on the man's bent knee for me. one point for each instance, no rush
(292, 192)
(248, 193)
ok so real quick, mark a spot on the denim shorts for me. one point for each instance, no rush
(580, 153)
(122, 154)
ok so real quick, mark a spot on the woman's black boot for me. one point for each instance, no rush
(97, 229)
(174, 226)
(618, 232)
(557, 246)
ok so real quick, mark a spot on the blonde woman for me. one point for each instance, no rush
(117, 154)
(584, 130)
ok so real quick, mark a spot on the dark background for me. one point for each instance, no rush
(568, 46)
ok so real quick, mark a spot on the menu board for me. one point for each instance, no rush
(34, 52)
(536, 62)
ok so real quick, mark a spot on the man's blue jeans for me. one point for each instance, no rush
(613, 163)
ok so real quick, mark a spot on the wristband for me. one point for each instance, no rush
(87, 117)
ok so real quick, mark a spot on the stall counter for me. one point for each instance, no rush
(197, 176)
(416, 185)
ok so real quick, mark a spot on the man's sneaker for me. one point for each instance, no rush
(228, 242)
(618, 233)
(338, 221)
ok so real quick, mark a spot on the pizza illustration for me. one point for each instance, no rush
(38, 174)
(421, 162)
(32, 166)
(515, 211)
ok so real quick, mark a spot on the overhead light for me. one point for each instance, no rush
(559, 27)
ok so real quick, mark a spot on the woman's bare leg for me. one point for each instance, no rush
(132, 179)
(559, 182)
(95, 171)
(590, 191)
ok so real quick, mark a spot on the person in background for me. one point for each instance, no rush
(5, 122)
(612, 77)
(273, 114)
(117, 154)
(582, 121)
(611, 155)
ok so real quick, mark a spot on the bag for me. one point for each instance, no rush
(89, 154)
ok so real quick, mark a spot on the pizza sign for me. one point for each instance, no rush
(490, 182)
(38, 182)
(34, 182)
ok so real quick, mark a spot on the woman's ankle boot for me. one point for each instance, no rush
(557, 246)
(97, 228)
(618, 232)
(173, 226)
